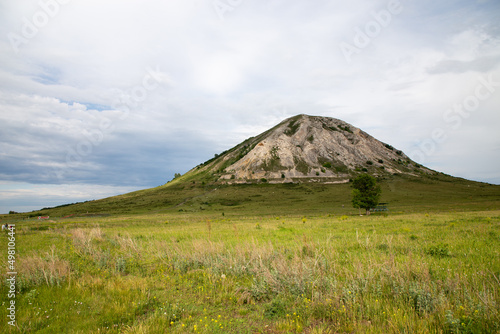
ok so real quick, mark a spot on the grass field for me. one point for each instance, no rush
(290, 261)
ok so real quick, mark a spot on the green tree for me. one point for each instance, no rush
(366, 192)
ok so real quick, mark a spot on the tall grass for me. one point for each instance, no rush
(436, 273)
(39, 270)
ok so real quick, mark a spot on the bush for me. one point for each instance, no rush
(345, 128)
(439, 250)
(293, 126)
(276, 309)
(423, 300)
(366, 192)
(121, 265)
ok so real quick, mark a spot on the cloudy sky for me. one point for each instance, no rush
(99, 98)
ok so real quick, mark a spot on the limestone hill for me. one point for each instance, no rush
(307, 149)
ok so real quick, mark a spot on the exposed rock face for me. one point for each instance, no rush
(309, 148)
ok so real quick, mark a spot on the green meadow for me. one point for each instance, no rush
(261, 259)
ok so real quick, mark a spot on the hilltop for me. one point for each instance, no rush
(307, 149)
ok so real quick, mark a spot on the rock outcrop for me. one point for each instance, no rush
(308, 149)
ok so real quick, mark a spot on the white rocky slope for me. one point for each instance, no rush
(310, 148)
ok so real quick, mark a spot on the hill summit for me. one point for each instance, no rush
(306, 149)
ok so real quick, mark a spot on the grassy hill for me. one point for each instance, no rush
(404, 193)
(195, 256)
(282, 259)
(307, 159)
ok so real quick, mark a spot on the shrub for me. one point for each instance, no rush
(345, 128)
(382, 247)
(293, 126)
(276, 309)
(422, 299)
(121, 265)
(366, 192)
(327, 165)
(439, 250)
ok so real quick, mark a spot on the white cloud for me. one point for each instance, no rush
(221, 81)
(23, 197)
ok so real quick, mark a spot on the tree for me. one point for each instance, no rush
(366, 192)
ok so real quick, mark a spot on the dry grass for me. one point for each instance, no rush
(378, 274)
(50, 269)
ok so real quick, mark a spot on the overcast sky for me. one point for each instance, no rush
(99, 98)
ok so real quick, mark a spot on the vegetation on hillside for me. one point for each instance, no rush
(195, 257)
(403, 193)
(366, 192)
